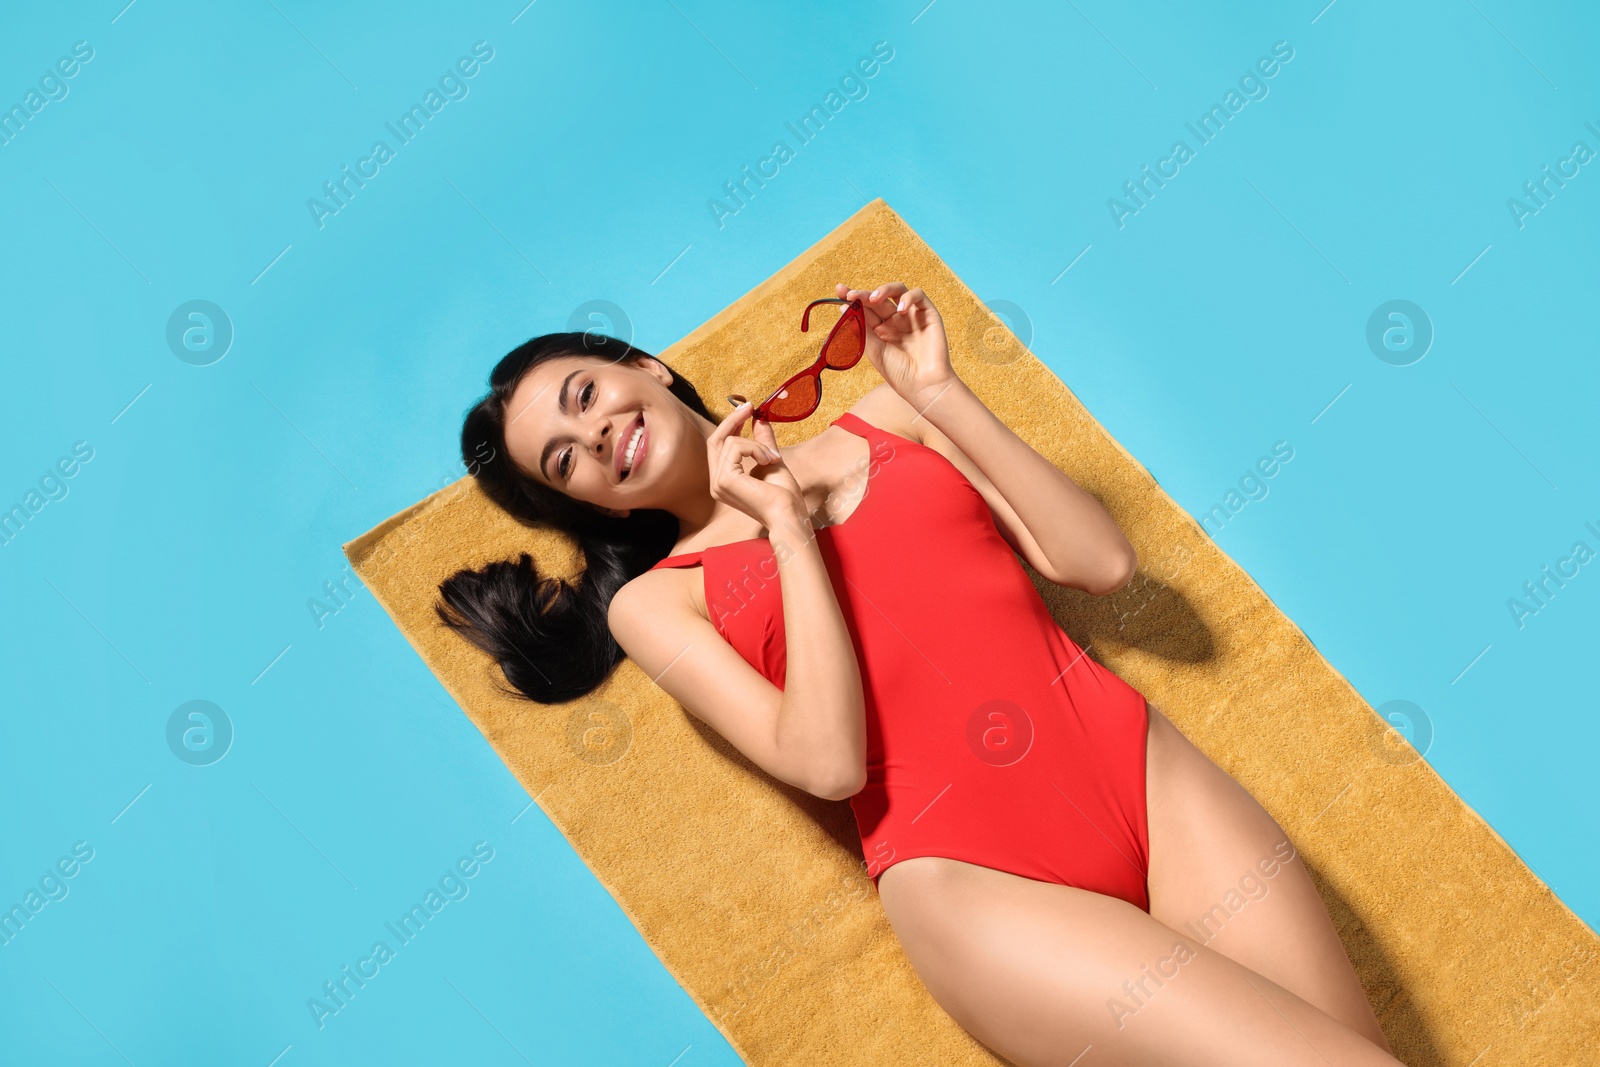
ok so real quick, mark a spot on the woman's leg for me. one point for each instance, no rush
(1047, 974)
(1224, 872)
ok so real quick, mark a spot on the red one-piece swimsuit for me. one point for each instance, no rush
(991, 737)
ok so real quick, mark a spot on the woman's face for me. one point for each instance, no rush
(571, 420)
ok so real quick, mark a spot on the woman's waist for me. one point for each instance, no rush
(918, 716)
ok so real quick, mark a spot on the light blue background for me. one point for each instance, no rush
(1223, 317)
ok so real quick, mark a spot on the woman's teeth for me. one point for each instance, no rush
(633, 445)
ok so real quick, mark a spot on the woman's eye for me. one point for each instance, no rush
(585, 398)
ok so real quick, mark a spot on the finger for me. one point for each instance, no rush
(910, 299)
(734, 449)
(880, 305)
(764, 434)
(867, 296)
(888, 291)
(731, 425)
(767, 449)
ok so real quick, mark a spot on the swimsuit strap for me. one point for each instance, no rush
(686, 559)
(855, 424)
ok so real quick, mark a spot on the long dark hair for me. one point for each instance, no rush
(548, 634)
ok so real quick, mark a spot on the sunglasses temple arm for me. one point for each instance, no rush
(805, 318)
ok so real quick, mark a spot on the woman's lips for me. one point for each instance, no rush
(638, 453)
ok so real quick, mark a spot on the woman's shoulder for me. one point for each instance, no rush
(887, 410)
(657, 594)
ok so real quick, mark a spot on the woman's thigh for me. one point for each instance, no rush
(1050, 974)
(1223, 871)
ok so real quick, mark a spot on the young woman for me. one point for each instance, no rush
(1071, 878)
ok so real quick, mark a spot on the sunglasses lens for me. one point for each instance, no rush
(797, 400)
(846, 344)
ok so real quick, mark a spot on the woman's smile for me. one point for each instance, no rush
(630, 457)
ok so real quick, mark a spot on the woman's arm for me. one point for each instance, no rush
(1088, 550)
(810, 734)
(1058, 527)
(822, 713)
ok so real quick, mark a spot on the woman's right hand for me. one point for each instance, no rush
(767, 493)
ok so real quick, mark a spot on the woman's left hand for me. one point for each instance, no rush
(905, 340)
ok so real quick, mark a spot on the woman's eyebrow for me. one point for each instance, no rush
(561, 406)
